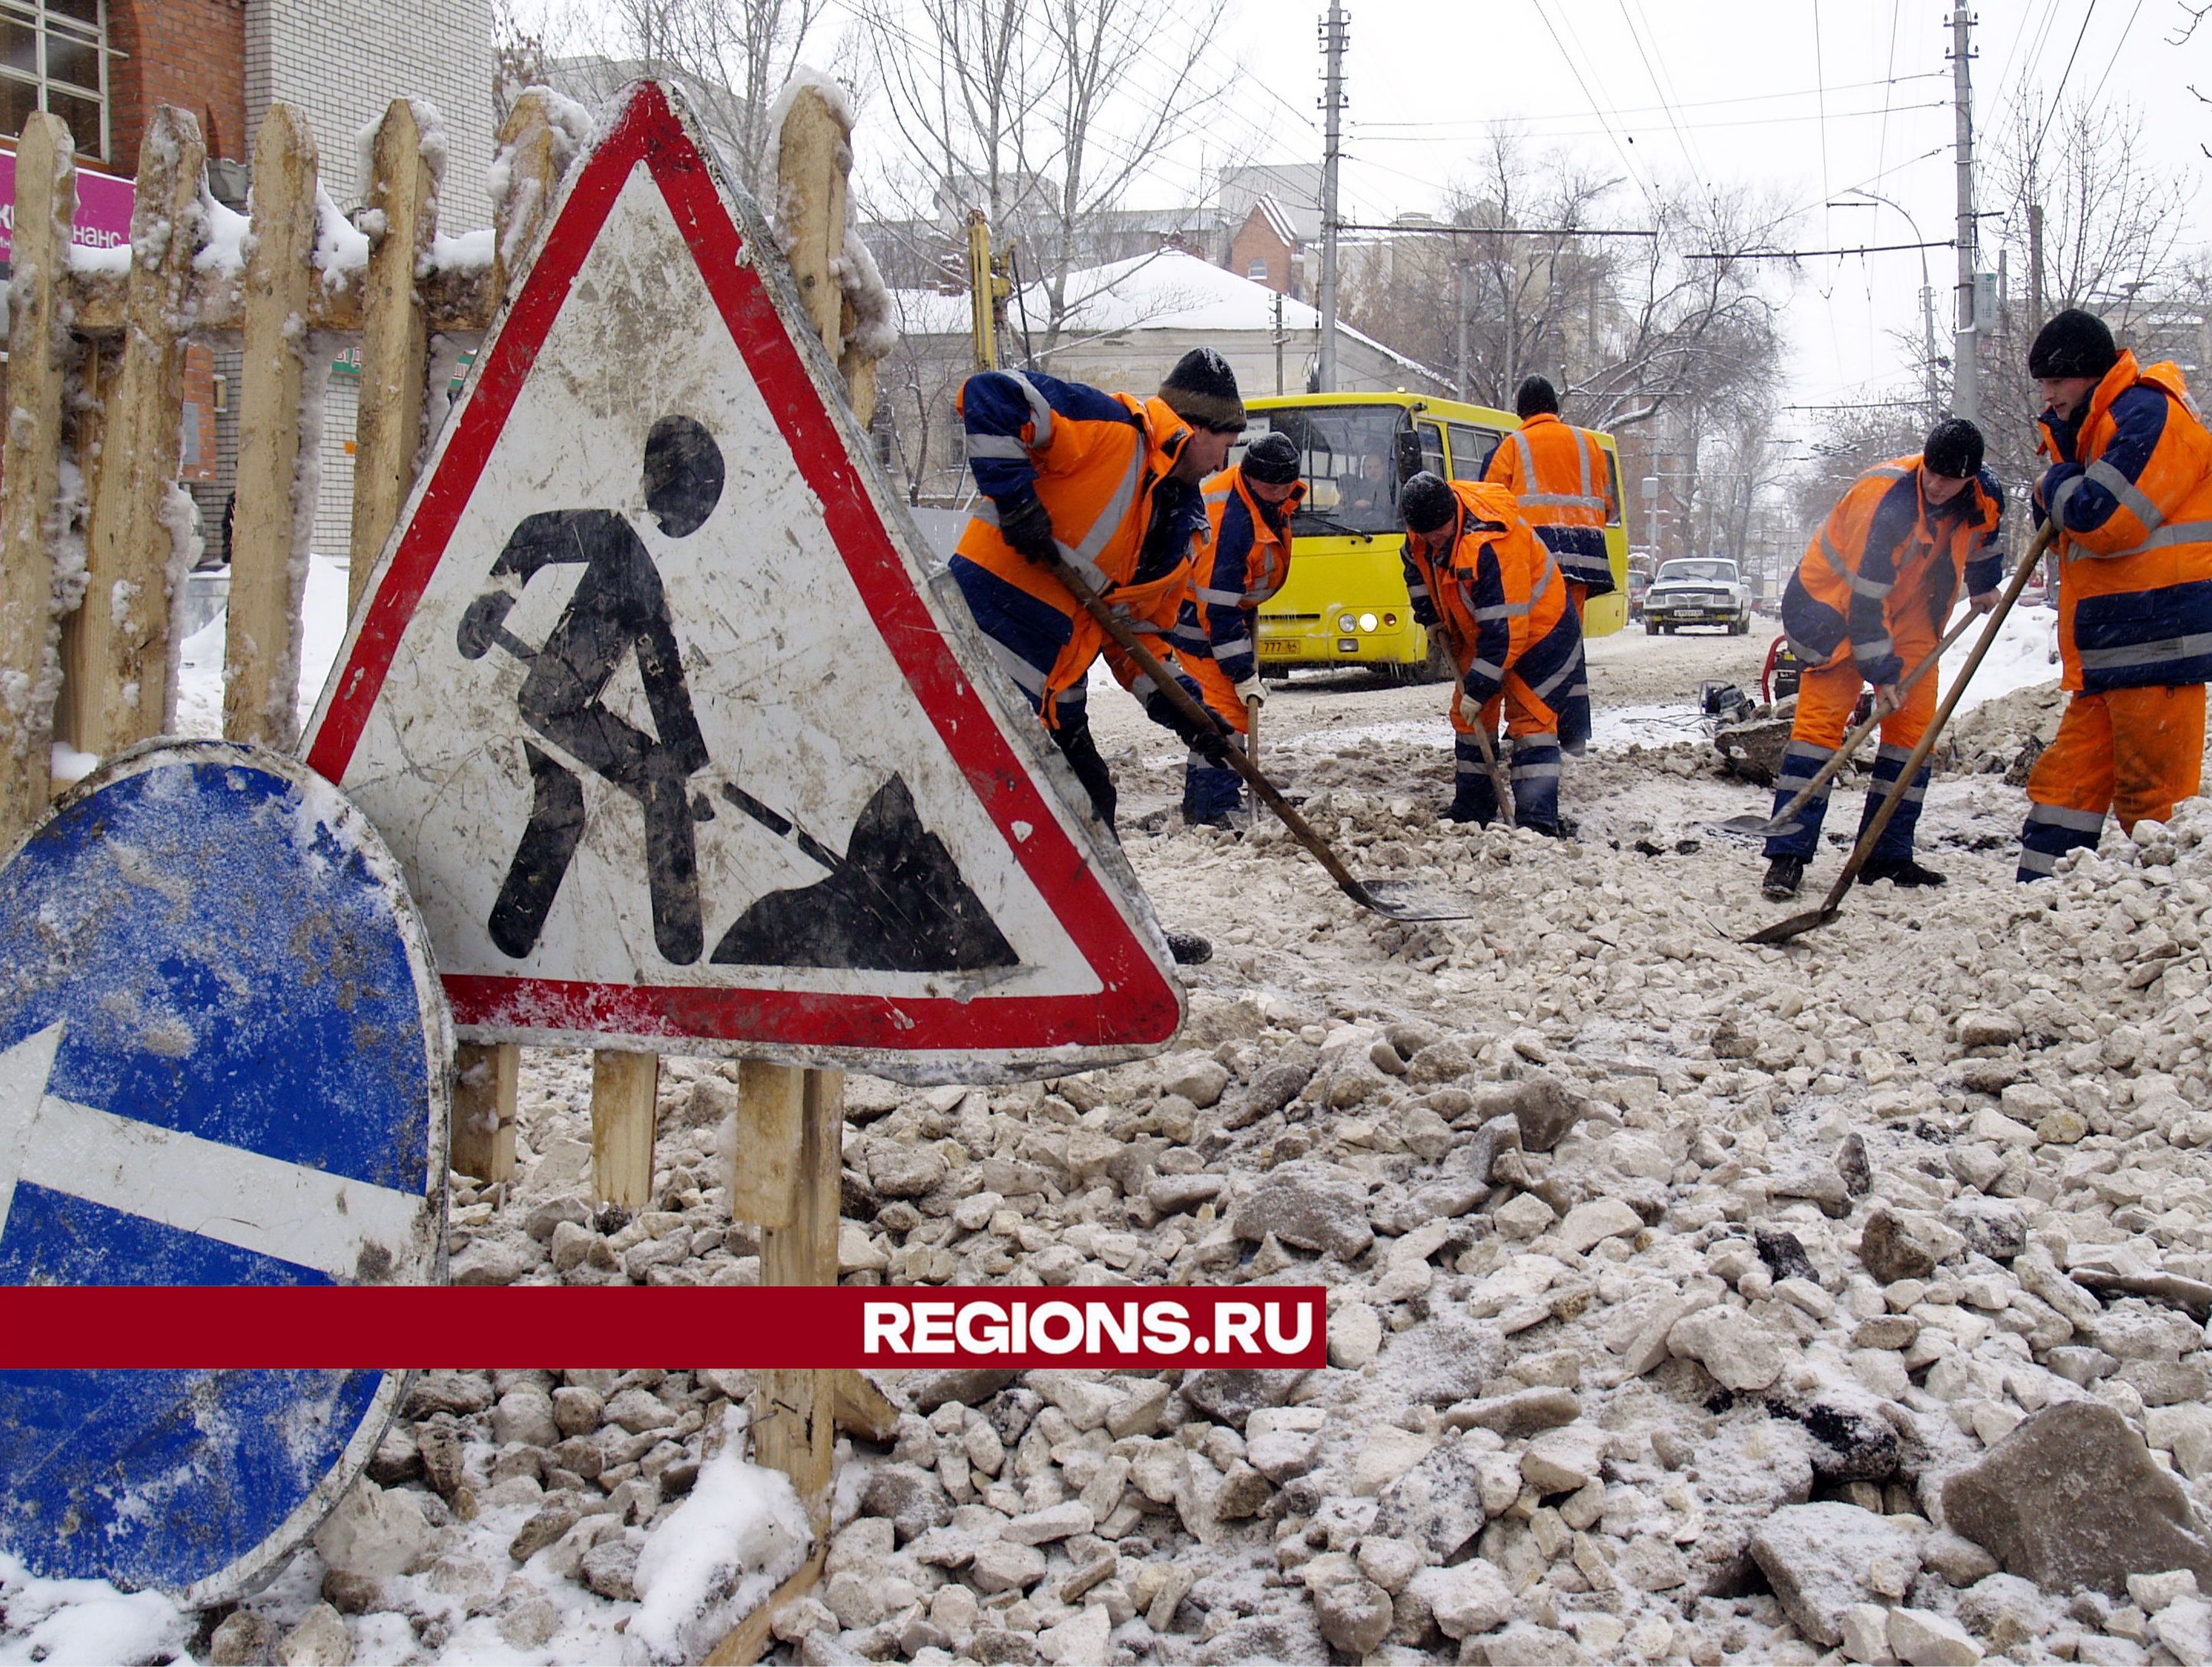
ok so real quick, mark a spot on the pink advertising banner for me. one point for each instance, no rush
(103, 207)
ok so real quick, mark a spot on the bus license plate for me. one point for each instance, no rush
(1279, 648)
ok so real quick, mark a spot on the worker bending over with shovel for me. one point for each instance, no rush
(1244, 560)
(1866, 606)
(1479, 576)
(2130, 488)
(1110, 482)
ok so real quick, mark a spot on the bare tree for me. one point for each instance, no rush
(521, 57)
(730, 57)
(1043, 113)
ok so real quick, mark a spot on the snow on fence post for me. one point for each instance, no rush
(124, 666)
(30, 472)
(268, 563)
(814, 154)
(535, 153)
(402, 217)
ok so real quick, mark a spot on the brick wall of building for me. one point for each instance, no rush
(190, 53)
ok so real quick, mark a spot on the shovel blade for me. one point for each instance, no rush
(1757, 828)
(1783, 930)
(1409, 901)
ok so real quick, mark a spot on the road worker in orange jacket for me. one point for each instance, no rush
(2130, 487)
(1111, 483)
(1478, 573)
(1563, 480)
(1244, 560)
(1867, 605)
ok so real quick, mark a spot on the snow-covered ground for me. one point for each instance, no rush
(1675, 1282)
(322, 630)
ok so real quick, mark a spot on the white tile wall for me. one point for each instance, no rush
(342, 62)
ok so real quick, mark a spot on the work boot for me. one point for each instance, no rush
(1899, 871)
(1784, 875)
(1189, 949)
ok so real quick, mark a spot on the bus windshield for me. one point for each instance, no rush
(1345, 459)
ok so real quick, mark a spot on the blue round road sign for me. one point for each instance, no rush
(223, 1061)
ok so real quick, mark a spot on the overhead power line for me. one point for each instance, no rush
(1812, 254)
(2058, 92)
(1495, 231)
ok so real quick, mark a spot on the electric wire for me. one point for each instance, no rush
(1584, 133)
(1680, 104)
(1596, 109)
(2058, 92)
(2117, 47)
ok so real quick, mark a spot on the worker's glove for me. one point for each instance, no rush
(1982, 601)
(1204, 739)
(1027, 526)
(1251, 693)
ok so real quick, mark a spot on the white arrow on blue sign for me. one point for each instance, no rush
(222, 1062)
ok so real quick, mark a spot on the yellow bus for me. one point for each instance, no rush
(1345, 602)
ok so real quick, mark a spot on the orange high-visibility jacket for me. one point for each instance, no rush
(1883, 550)
(1244, 560)
(1095, 462)
(1564, 480)
(1499, 593)
(2132, 491)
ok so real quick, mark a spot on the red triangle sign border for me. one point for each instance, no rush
(1138, 1008)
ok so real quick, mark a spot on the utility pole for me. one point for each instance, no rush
(1458, 317)
(1966, 396)
(2035, 264)
(1333, 31)
(1279, 339)
(1927, 346)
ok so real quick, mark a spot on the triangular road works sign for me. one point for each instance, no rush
(654, 698)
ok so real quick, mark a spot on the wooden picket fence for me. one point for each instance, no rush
(94, 394)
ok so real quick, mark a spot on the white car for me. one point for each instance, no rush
(1697, 589)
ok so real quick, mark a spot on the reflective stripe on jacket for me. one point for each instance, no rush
(1099, 463)
(1243, 561)
(1882, 550)
(2132, 490)
(1562, 477)
(1500, 595)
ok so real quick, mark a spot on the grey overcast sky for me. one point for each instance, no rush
(1807, 98)
(1804, 99)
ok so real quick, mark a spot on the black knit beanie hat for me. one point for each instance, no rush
(1426, 503)
(1953, 449)
(1536, 394)
(1272, 460)
(2074, 344)
(1201, 390)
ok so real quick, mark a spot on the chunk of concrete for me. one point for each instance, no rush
(2072, 1497)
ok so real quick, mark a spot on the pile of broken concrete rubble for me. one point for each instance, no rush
(1688, 1302)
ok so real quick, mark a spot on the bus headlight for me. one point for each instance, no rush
(1367, 621)
(1345, 623)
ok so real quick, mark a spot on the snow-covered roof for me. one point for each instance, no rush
(1278, 221)
(1168, 290)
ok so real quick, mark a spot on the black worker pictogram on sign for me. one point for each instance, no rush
(653, 697)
